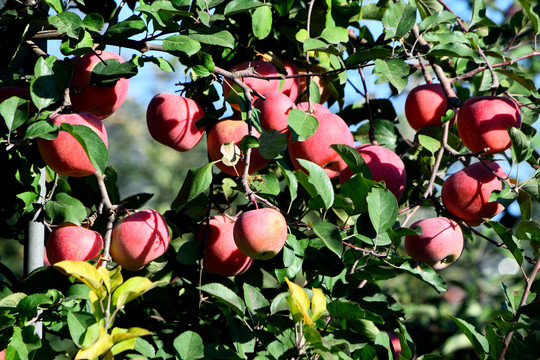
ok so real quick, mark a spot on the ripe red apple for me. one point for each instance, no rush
(290, 86)
(466, 193)
(260, 233)
(221, 255)
(396, 344)
(425, 105)
(274, 111)
(439, 245)
(171, 121)
(483, 121)
(232, 130)
(384, 165)
(65, 155)
(72, 242)
(261, 86)
(138, 239)
(102, 101)
(332, 130)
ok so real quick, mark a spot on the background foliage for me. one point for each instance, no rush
(337, 254)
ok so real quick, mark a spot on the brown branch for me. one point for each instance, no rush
(111, 210)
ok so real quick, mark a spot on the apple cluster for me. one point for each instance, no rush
(136, 239)
(482, 124)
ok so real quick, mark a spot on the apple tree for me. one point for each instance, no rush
(370, 190)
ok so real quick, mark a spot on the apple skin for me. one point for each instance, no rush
(261, 86)
(102, 101)
(482, 122)
(425, 105)
(221, 255)
(466, 193)
(260, 233)
(171, 121)
(274, 111)
(291, 86)
(232, 130)
(65, 155)
(440, 244)
(138, 239)
(384, 165)
(332, 130)
(72, 242)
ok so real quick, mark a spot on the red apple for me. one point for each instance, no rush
(274, 111)
(290, 86)
(332, 130)
(171, 121)
(232, 130)
(425, 105)
(260, 233)
(138, 239)
(221, 255)
(483, 121)
(384, 165)
(262, 86)
(439, 245)
(65, 155)
(72, 242)
(466, 193)
(102, 101)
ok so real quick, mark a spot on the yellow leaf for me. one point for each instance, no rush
(298, 303)
(95, 303)
(131, 289)
(100, 347)
(84, 272)
(124, 339)
(318, 304)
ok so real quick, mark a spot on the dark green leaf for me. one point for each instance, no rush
(382, 209)
(272, 143)
(238, 6)
(440, 17)
(127, 28)
(66, 208)
(14, 111)
(226, 295)
(302, 125)
(521, 147)
(212, 36)
(398, 20)
(189, 345)
(479, 342)
(196, 181)
(394, 71)
(353, 159)
(319, 181)
(508, 239)
(181, 44)
(92, 144)
(425, 273)
(330, 235)
(265, 184)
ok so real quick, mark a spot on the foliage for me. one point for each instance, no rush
(342, 283)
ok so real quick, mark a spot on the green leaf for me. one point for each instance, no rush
(108, 72)
(14, 111)
(131, 289)
(398, 20)
(238, 6)
(382, 209)
(78, 323)
(68, 23)
(353, 159)
(265, 184)
(225, 295)
(92, 144)
(93, 22)
(182, 45)
(428, 7)
(24, 341)
(127, 28)
(254, 299)
(56, 5)
(261, 22)
(212, 35)
(385, 133)
(367, 55)
(479, 342)
(425, 273)
(65, 208)
(196, 181)
(532, 13)
(272, 143)
(459, 50)
(330, 235)
(394, 71)
(290, 179)
(440, 17)
(301, 124)
(319, 181)
(342, 309)
(431, 144)
(521, 147)
(508, 239)
(335, 35)
(43, 86)
(189, 345)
